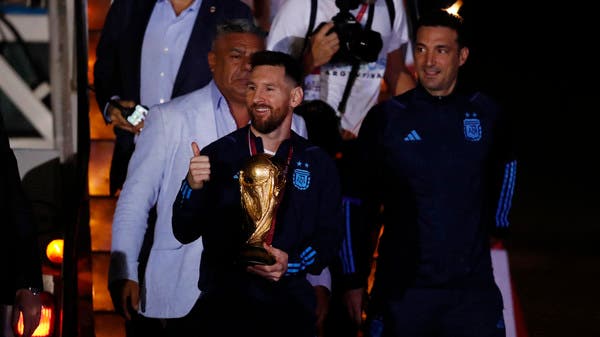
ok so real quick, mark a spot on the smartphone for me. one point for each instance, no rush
(133, 115)
(138, 115)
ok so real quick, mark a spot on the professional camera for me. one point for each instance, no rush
(356, 44)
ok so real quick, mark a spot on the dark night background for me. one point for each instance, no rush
(537, 59)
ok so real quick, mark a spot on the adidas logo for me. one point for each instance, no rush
(412, 136)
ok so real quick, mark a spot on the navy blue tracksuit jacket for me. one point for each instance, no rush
(308, 228)
(443, 170)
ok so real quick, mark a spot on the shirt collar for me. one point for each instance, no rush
(284, 147)
(424, 94)
(217, 97)
(193, 7)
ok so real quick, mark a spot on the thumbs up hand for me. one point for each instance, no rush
(199, 171)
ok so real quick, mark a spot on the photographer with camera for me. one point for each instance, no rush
(349, 49)
(369, 34)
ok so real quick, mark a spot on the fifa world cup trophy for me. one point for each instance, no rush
(261, 186)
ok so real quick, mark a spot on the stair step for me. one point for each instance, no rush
(99, 167)
(102, 301)
(101, 216)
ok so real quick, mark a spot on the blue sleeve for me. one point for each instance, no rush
(362, 201)
(503, 170)
(187, 212)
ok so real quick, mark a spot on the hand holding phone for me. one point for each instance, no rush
(133, 115)
(139, 114)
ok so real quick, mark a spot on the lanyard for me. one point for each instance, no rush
(253, 151)
(361, 12)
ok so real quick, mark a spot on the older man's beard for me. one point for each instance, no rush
(268, 124)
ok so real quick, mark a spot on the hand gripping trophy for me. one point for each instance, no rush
(261, 186)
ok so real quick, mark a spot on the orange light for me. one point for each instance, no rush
(454, 8)
(46, 326)
(54, 251)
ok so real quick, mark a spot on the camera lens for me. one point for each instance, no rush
(346, 27)
(356, 44)
(366, 45)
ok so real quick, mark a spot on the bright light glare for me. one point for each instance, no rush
(45, 326)
(54, 251)
(454, 8)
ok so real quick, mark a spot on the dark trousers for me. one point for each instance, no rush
(141, 326)
(237, 317)
(124, 146)
(338, 323)
(431, 312)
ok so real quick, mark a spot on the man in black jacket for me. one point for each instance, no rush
(21, 276)
(150, 52)
(439, 161)
(274, 299)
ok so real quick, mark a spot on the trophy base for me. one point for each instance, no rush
(251, 255)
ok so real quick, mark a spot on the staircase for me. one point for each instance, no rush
(106, 322)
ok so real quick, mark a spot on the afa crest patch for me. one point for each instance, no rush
(472, 127)
(301, 179)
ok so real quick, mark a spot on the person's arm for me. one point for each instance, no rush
(399, 75)
(323, 295)
(193, 199)
(504, 174)
(106, 67)
(113, 114)
(107, 70)
(322, 45)
(130, 222)
(262, 14)
(363, 204)
(322, 286)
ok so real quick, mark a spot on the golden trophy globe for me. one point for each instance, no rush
(261, 186)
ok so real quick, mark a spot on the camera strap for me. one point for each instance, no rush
(311, 25)
(391, 12)
(355, 66)
(354, 70)
(313, 17)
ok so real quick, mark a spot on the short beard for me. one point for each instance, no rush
(268, 125)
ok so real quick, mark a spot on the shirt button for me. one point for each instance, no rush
(162, 74)
(161, 101)
(166, 49)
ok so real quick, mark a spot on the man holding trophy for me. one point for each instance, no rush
(267, 205)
